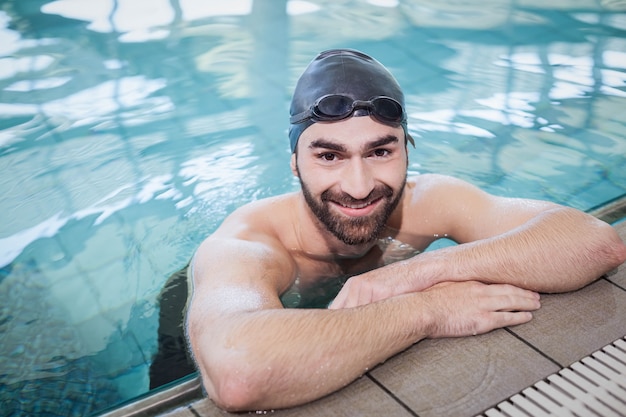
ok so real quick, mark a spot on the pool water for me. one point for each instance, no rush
(130, 128)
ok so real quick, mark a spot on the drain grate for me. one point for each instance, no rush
(594, 386)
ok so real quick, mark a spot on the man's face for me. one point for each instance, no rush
(352, 174)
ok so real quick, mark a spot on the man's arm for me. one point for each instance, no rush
(531, 244)
(253, 354)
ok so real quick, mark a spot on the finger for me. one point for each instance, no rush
(343, 298)
(498, 320)
(511, 303)
(510, 298)
(513, 318)
(364, 297)
(338, 302)
(513, 290)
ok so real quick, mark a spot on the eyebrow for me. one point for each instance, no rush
(385, 140)
(328, 144)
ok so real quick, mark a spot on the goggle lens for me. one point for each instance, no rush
(336, 107)
(388, 109)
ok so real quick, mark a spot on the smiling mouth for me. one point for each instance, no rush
(358, 206)
(357, 209)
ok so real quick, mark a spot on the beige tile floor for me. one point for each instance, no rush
(465, 376)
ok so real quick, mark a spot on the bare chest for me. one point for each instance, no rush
(320, 279)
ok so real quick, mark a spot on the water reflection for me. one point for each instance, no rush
(156, 15)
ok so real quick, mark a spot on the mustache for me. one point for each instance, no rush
(382, 191)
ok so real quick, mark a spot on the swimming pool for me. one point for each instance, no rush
(130, 129)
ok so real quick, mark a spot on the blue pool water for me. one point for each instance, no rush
(130, 128)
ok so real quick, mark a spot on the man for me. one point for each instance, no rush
(358, 216)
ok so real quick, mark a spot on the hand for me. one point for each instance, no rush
(365, 289)
(471, 308)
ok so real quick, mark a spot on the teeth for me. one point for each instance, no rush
(356, 206)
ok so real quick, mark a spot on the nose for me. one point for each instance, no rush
(357, 179)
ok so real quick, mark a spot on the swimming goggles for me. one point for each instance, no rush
(333, 107)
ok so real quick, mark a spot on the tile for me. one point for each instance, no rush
(361, 398)
(204, 408)
(572, 325)
(462, 376)
(588, 387)
(184, 411)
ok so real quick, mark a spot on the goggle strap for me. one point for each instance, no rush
(300, 117)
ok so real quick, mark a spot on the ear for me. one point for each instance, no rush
(292, 164)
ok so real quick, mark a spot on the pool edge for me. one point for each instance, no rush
(180, 393)
(611, 211)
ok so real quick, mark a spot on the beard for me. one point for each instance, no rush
(354, 230)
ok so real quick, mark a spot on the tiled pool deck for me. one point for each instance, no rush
(456, 377)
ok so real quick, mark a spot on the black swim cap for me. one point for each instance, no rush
(345, 72)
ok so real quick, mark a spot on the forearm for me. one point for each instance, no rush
(559, 250)
(275, 358)
(279, 358)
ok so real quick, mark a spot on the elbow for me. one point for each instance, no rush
(612, 252)
(620, 253)
(231, 396)
(617, 250)
(233, 389)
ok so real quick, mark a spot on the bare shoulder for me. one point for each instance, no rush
(458, 194)
(430, 185)
(262, 217)
(465, 212)
(248, 249)
(438, 197)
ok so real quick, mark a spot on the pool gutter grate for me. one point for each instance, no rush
(594, 386)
